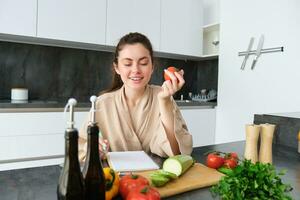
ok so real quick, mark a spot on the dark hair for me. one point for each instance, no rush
(130, 38)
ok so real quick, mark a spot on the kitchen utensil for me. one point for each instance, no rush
(198, 176)
(247, 53)
(258, 51)
(252, 135)
(266, 136)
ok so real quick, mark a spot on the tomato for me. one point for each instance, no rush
(131, 181)
(170, 69)
(143, 193)
(230, 163)
(214, 160)
(234, 155)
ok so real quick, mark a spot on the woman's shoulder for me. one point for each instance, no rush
(106, 97)
(155, 88)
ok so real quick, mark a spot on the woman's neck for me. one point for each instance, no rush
(133, 96)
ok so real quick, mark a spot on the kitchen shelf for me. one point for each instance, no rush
(211, 40)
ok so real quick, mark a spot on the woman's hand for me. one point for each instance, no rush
(103, 148)
(169, 88)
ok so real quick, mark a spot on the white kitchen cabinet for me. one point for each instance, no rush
(181, 27)
(211, 41)
(33, 139)
(201, 125)
(133, 16)
(18, 17)
(211, 12)
(72, 20)
(211, 27)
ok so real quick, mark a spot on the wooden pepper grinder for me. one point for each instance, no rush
(252, 134)
(265, 151)
(299, 141)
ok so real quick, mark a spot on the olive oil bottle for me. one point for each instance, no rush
(71, 184)
(93, 171)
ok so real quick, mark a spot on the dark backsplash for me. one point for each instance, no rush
(56, 73)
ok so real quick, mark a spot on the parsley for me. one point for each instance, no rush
(252, 182)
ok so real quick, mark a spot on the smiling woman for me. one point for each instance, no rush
(133, 115)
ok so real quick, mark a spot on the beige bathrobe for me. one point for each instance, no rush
(141, 131)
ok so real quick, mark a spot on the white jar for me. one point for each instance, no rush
(19, 94)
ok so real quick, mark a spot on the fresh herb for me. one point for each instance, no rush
(250, 181)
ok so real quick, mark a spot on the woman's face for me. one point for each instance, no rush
(134, 66)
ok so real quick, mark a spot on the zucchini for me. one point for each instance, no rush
(158, 180)
(178, 164)
(164, 173)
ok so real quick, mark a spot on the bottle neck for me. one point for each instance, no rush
(93, 143)
(71, 147)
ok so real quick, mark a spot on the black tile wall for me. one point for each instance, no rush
(286, 131)
(56, 73)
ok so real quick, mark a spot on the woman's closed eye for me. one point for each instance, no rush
(144, 63)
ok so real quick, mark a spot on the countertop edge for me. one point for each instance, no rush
(24, 110)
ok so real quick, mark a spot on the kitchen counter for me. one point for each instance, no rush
(7, 106)
(40, 183)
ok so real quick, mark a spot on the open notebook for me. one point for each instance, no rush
(130, 161)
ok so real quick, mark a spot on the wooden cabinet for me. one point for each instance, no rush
(133, 16)
(33, 139)
(18, 17)
(181, 27)
(72, 20)
(201, 124)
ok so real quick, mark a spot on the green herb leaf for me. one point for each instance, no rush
(250, 181)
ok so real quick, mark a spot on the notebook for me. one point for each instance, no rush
(127, 161)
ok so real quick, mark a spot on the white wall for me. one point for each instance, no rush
(211, 11)
(274, 85)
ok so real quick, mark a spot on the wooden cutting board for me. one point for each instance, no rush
(196, 177)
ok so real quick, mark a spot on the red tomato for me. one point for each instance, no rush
(230, 163)
(234, 155)
(130, 182)
(170, 69)
(143, 193)
(214, 160)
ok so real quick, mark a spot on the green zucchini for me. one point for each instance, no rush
(158, 180)
(178, 164)
(164, 173)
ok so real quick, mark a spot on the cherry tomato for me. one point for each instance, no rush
(214, 160)
(143, 193)
(130, 182)
(170, 69)
(230, 163)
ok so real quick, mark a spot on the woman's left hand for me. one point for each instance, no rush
(170, 87)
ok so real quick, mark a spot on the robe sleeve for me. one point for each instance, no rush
(160, 144)
(82, 140)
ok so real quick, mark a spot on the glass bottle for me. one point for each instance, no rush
(71, 184)
(93, 171)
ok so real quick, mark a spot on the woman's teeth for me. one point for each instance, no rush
(136, 78)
